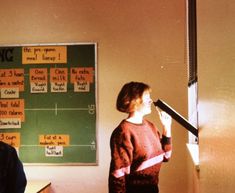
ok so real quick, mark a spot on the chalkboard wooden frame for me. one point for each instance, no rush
(57, 128)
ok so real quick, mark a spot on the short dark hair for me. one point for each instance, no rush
(128, 95)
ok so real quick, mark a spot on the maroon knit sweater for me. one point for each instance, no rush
(137, 152)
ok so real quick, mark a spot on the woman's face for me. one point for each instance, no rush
(144, 107)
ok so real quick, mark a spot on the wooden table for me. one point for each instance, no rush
(34, 186)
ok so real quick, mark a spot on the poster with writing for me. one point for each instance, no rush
(48, 102)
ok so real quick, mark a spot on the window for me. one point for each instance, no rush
(192, 67)
(192, 79)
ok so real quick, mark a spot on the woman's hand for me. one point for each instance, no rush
(166, 121)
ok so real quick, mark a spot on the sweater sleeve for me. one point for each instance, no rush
(167, 147)
(21, 181)
(166, 143)
(121, 157)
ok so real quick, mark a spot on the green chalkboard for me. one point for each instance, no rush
(48, 102)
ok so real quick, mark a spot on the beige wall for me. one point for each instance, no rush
(216, 65)
(137, 40)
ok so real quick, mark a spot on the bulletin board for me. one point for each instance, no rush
(48, 102)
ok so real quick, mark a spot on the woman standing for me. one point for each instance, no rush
(137, 148)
